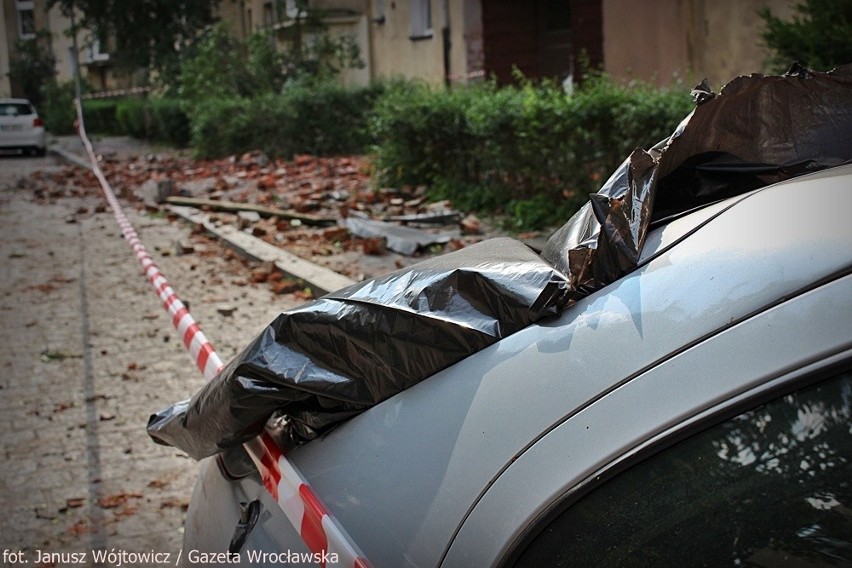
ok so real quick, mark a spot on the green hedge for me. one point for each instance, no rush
(58, 108)
(100, 117)
(159, 120)
(529, 150)
(322, 119)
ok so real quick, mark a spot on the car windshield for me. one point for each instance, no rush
(15, 109)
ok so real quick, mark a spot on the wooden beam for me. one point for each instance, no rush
(234, 207)
(320, 279)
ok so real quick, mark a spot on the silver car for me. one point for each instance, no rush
(21, 128)
(697, 411)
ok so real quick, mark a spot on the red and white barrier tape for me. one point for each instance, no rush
(199, 346)
(465, 76)
(320, 532)
(117, 93)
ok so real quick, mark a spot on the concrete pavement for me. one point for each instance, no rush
(87, 353)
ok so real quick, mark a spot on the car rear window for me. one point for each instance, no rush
(15, 109)
(771, 487)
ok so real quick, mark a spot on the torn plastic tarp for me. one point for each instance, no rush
(759, 130)
(324, 362)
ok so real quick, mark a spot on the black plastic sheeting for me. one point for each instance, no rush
(333, 358)
(320, 364)
(759, 130)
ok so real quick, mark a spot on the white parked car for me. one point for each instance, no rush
(21, 128)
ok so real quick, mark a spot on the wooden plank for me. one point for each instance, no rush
(232, 206)
(320, 279)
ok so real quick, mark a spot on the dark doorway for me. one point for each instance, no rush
(543, 38)
(554, 48)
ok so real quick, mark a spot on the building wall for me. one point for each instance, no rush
(665, 41)
(62, 45)
(382, 30)
(230, 12)
(356, 27)
(5, 86)
(52, 21)
(346, 18)
(394, 53)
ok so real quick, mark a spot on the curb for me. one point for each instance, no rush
(69, 156)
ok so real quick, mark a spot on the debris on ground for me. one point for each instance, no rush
(326, 210)
(401, 239)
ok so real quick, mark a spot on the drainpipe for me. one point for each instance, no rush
(76, 54)
(447, 43)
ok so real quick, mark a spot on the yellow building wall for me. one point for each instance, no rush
(62, 45)
(396, 54)
(382, 30)
(5, 86)
(666, 41)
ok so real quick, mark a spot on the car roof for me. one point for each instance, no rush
(403, 476)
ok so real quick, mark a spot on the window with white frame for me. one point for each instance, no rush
(421, 18)
(379, 11)
(269, 14)
(26, 18)
(95, 53)
(295, 9)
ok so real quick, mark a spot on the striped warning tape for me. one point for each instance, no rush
(116, 93)
(464, 76)
(320, 532)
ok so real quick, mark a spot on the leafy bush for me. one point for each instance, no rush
(215, 70)
(170, 122)
(221, 66)
(57, 109)
(159, 120)
(424, 135)
(323, 119)
(32, 65)
(817, 36)
(100, 117)
(218, 127)
(529, 150)
(131, 115)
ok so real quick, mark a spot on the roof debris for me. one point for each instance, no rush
(325, 210)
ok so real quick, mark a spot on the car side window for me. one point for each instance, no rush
(770, 487)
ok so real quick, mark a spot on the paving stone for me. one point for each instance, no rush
(86, 355)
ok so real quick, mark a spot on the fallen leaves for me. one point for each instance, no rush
(75, 502)
(58, 355)
(119, 499)
(175, 503)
